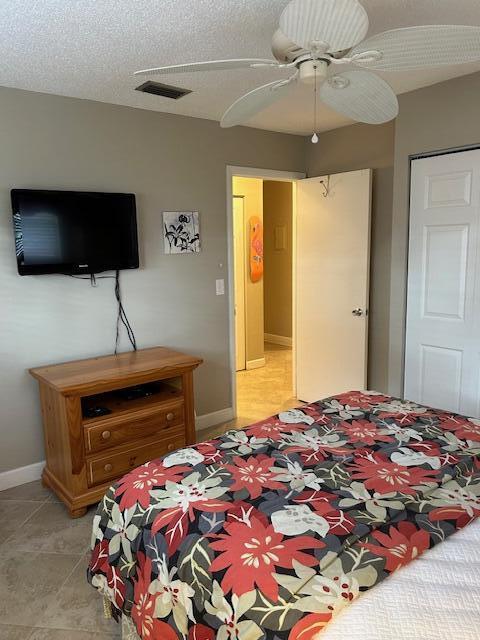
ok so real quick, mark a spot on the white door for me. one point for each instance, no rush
(332, 277)
(239, 276)
(442, 358)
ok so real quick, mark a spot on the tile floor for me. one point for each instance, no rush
(44, 594)
(43, 558)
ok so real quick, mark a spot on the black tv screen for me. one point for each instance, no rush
(74, 232)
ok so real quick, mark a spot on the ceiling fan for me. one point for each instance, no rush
(322, 42)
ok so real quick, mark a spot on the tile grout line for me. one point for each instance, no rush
(21, 524)
(19, 626)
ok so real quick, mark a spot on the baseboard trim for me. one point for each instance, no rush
(256, 364)
(22, 475)
(212, 419)
(282, 340)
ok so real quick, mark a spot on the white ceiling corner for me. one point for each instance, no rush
(90, 49)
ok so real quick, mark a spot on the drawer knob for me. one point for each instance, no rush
(108, 468)
(170, 416)
(171, 447)
(106, 435)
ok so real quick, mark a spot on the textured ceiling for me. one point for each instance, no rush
(90, 48)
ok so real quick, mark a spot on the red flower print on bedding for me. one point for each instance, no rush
(116, 586)
(364, 431)
(272, 429)
(400, 545)
(136, 485)
(383, 476)
(403, 412)
(362, 400)
(180, 500)
(339, 522)
(267, 533)
(99, 559)
(309, 627)
(319, 500)
(201, 632)
(210, 451)
(456, 502)
(250, 551)
(253, 474)
(464, 428)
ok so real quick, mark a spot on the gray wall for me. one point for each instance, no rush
(362, 146)
(171, 163)
(439, 117)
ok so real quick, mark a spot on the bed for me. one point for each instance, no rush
(273, 532)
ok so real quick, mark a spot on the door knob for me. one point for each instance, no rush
(359, 312)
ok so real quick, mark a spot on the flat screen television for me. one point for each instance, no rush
(74, 232)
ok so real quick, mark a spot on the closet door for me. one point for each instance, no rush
(442, 358)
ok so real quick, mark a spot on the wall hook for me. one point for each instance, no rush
(326, 186)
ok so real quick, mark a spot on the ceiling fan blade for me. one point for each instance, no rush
(257, 100)
(324, 25)
(213, 65)
(360, 95)
(422, 46)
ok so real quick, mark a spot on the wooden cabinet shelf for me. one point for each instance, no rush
(118, 405)
(85, 453)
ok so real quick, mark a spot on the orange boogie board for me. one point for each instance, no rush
(256, 249)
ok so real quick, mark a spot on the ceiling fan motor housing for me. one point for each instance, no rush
(284, 50)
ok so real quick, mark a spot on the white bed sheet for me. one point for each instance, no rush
(436, 597)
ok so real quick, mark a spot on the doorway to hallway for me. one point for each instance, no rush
(263, 243)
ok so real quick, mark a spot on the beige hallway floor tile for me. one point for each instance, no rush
(262, 392)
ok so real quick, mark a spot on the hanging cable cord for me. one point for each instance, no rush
(121, 315)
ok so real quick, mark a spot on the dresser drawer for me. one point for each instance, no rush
(112, 431)
(114, 465)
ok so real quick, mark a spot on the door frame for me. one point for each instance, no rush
(262, 174)
(241, 285)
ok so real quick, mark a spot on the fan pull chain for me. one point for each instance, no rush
(315, 136)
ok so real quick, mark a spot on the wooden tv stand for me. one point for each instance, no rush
(86, 453)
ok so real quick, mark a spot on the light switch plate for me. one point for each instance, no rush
(220, 287)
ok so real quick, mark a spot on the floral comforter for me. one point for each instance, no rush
(267, 533)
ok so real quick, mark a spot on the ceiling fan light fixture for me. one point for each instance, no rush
(313, 71)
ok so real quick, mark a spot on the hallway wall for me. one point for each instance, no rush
(251, 189)
(277, 213)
